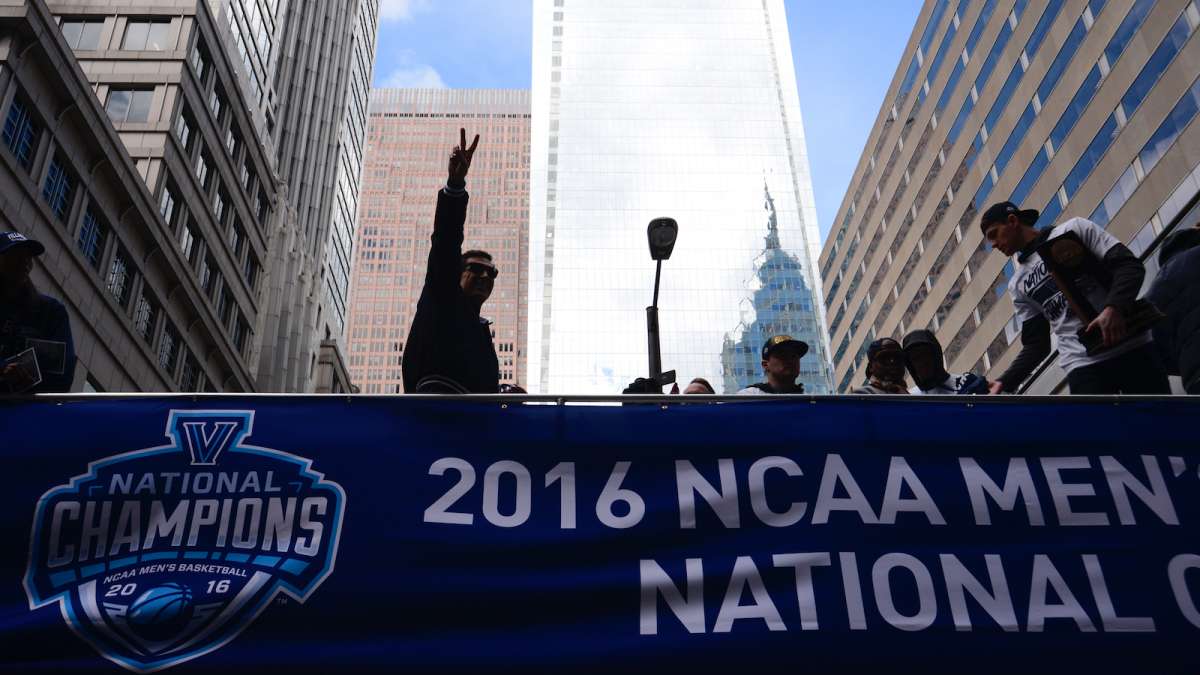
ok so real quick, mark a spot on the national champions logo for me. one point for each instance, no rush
(161, 555)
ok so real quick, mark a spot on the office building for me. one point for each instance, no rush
(322, 54)
(128, 152)
(1073, 107)
(653, 108)
(410, 133)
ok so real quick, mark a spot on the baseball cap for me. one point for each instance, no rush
(886, 344)
(11, 240)
(779, 341)
(1002, 210)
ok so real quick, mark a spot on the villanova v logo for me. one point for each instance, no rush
(161, 555)
(207, 433)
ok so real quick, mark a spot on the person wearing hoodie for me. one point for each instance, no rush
(885, 368)
(926, 364)
(1176, 292)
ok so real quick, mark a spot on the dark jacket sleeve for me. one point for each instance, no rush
(444, 268)
(1127, 275)
(1163, 292)
(59, 330)
(1035, 347)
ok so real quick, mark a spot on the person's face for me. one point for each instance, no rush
(1004, 235)
(888, 365)
(923, 360)
(696, 388)
(478, 278)
(15, 265)
(783, 365)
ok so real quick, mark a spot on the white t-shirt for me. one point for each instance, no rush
(755, 391)
(1035, 293)
(951, 386)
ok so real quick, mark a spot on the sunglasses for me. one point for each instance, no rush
(482, 270)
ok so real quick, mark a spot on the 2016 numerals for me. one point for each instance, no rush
(561, 474)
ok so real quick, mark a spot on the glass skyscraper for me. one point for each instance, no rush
(648, 108)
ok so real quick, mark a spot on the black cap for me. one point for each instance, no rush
(780, 341)
(11, 240)
(886, 344)
(1002, 210)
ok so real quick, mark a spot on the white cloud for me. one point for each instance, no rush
(414, 77)
(401, 10)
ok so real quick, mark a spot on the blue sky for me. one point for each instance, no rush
(845, 54)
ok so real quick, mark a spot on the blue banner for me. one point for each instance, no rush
(343, 534)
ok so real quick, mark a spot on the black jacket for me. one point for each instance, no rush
(1127, 274)
(448, 339)
(40, 321)
(1176, 291)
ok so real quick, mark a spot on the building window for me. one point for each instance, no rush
(1177, 120)
(246, 175)
(189, 374)
(82, 34)
(250, 270)
(185, 130)
(261, 207)
(168, 348)
(129, 105)
(59, 188)
(208, 276)
(187, 241)
(21, 133)
(147, 35)
(1090, 157)
(199, 60)
(225, 305)
(241, 333)
(216, 103)
(145, 313)
(119, 278)
(220, 200)
(203, 170)
(237, 238)
(1064, 56)
(233, 141)
(92, 236)
(166, 204)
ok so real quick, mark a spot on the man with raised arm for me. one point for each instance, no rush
(449, 348)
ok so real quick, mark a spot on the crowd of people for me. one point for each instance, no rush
(450, 349)
(1110, 349)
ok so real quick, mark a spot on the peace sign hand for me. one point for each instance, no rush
(460, 158)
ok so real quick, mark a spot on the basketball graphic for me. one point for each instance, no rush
(161, 612)
(163, 602)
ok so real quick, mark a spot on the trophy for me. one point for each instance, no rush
(1078, 273)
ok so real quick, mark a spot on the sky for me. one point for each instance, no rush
(845, 56)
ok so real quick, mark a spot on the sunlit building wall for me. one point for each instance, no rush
(1073, 107)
